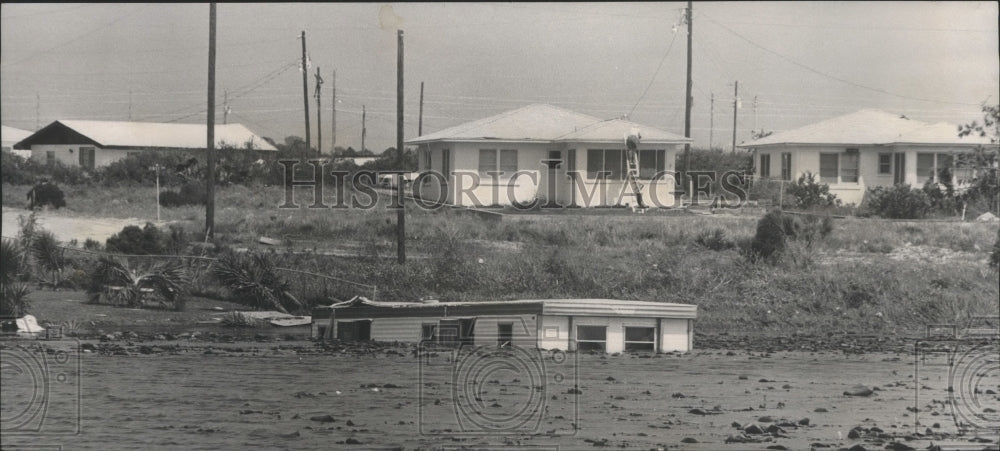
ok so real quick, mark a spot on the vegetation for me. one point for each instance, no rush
(898, 202)
(49, 254)
(115, 282)
(995, 256)
(253, 281)
(148, 240)
(13, 291)
(46, 193)
(806, 193)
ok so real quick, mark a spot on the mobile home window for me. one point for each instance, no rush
(651, 162)
(884, 164)
(640, 339)
(828, 167)
(786, 166)
(849, 166)
(428, 332)
(765, 165)
(925, 166)
(592, 338)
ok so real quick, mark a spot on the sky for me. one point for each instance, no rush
(796, 63)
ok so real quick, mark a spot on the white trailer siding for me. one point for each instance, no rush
(675, 335)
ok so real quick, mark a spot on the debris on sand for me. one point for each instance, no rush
(323, 418)
(858, 390)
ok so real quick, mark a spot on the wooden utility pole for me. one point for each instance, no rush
(364, 130)
(736, 106)
(688, 100)
(305, 89)
(333, 112)
(210, 127)
(401, 212)
(319, 115)
(711, 122)
(420, 120)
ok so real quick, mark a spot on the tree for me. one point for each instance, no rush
(253, 279)
(984, 159)
(13, 292)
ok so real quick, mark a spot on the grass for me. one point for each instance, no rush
(869, 275)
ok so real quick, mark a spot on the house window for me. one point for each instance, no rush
(427, 159)
(786, 166)
(592, 338)
(945, 167)
(428, 332)
(551, 332)
(640, 339)
(925, 167)
(610, 161)
(87, 157)
(651, 162)
(488, 161)
(828, 167)
(765, 165)
(849, 166)
(50, 157)
(884, 163)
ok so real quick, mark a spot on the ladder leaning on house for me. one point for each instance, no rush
(632, 172)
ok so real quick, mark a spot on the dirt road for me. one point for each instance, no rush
(66, 228)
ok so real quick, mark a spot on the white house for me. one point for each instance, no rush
(865, 149)
(92, 144)
(608, 325)
(546, 153)
(11, 136)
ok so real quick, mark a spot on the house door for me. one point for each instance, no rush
(554, 162)
(898, 168)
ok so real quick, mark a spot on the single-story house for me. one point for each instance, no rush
(358, 161)
(865, 149)
(530, 153)
(11, 136)
(92, 144)
(566, 324)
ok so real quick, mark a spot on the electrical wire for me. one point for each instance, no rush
(657, 72)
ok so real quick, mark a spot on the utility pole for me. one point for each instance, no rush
(305, 89)
(401, 212)
(736, 106)
(333, 107)
(711, 122)
(210, 119)
(319, 115)
(363, 129)
(688, 100)
(420, 121)
(755, 112)
(225, 107)
(157, 167)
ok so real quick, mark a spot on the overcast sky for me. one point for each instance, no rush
(803, 62)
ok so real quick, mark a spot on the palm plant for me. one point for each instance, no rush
(253, 280)
(13, 294)
(49, 255)
(114, 281)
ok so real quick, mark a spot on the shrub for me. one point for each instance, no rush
(170, 199)
(898, 202)
(115, 282)
(49, 254)
(190, 194)
(92, 245)
(239, 320)
(46, 193)
(135, 241)
(253, 280)
(714, 239)
(769, 240)
(13, 293)
(807, 193)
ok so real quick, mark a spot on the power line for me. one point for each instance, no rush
(662, 60)
(832, 77)
(76, 38)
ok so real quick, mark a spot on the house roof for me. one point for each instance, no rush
(577, 307)
(115, 134)
(11, 134)
(546, 123)
(869, 127)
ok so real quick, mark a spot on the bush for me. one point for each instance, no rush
(898, 202)
(190, 194)
(170, 199)
(13, 292)
(46, 193)
(769, 240)
(253, 280)
(135, 241)
(806, 193)
(714, 239)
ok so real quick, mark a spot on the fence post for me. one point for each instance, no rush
(781, 195)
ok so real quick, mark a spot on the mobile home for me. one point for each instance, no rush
(607, 325)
